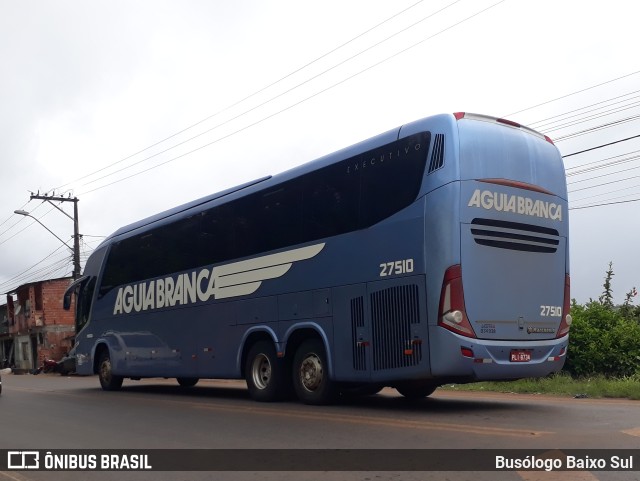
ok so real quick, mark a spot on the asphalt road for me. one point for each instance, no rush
(54, 412)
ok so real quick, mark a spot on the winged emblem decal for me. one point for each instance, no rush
(245, 277)
(228, 280)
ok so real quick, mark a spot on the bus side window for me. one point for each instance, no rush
(393, 181)
(279, 213)
(331, 200)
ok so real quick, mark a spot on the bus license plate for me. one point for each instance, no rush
(520, 356)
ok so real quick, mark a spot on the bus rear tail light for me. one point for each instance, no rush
(509, 122)
(565, 323)
(516, 184)
(452, 314)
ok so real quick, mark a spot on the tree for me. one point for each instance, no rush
(602, 341)
(606, 299)
(628, 310)
(605, 339)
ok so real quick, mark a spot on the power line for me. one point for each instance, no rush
(607, 203)
(604, 183)
(542, 121)
(281, 94)
(609, 193)
(573, 93)
(18, 278)
(25, 227)
(607, 174)
(36, 275)
(591, 117)
(596, 128)
(624, 160)
(601, 146)
(244, 99)
(21, 219)
(301, 101)
(591, 166)
(324, 90)
(11, 217)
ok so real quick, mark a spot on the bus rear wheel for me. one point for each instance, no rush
(265, 373)
(108, 380)
(187, 381)
(311, 374)
(416, 389)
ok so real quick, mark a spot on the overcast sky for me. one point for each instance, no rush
(87, 86)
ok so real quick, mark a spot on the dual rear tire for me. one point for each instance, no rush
(311, 374)
(416, 389)
(268, 377)
(265, 373)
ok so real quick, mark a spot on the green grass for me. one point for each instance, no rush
(562, 385)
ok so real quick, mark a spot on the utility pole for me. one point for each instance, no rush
(76, 234)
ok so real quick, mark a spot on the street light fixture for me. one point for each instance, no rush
(74, 249)
(27, 214)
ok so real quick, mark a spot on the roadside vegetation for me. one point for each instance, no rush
(603, 359)
(562, 384)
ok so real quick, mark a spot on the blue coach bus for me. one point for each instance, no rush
(436, 252)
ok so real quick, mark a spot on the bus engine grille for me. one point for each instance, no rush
(514, 236)
(393, 311)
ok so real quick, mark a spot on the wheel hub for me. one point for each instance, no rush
(105, 370)
(261, 371)
(311, 373)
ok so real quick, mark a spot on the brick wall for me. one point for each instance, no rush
(56, 345)
(53, 313)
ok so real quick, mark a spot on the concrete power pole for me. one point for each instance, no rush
(76, 234)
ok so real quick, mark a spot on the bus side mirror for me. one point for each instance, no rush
(66, 301)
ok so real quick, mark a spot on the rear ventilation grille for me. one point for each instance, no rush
(393, 311)
(514, 236)
(437, 153)
(357, 320)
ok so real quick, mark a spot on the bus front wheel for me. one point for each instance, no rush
(311, 374)
(108, 380)
(265, 373)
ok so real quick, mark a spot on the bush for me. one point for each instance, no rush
(602, 341)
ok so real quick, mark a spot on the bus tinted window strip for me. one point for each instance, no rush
(333, 200)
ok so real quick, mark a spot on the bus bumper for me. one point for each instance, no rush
(455, 356)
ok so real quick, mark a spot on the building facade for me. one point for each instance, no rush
(36, 327)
